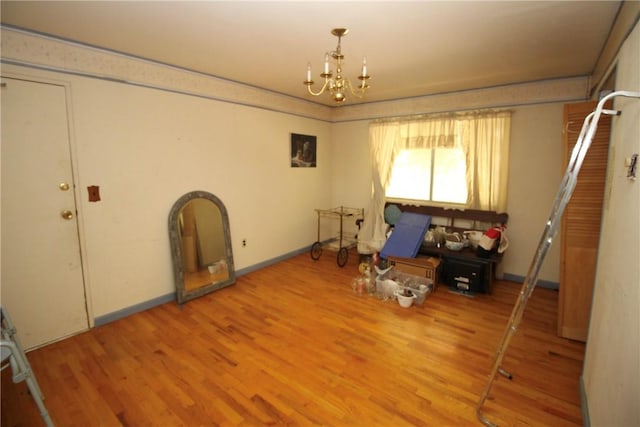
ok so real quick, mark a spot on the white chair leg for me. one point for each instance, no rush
(34, 388)
(20, 366)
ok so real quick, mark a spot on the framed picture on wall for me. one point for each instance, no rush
(303, 151)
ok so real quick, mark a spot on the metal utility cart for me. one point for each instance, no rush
(345, 239)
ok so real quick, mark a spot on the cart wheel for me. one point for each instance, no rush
(343, 255)
(316, 251)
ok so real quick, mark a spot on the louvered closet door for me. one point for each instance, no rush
(580, 232)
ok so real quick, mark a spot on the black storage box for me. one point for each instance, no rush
(464, 275)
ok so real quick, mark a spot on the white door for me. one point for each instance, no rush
(42, 285)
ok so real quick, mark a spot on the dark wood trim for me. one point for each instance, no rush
(455, 214)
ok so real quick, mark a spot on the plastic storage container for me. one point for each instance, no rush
(388, 281)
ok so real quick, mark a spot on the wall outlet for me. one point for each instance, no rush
(244, 243)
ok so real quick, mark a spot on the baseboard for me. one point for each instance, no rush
(146, 305)
(541, 283)
(272, 261)
(128, 311)
(586, 422)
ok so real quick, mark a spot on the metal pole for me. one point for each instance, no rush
(567, 186)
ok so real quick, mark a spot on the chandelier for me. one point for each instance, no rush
(338, 86)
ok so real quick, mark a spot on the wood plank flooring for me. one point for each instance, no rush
(290, 344)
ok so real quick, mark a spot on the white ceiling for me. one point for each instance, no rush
(412, 48)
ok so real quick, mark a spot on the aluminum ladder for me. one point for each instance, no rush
(567, 186)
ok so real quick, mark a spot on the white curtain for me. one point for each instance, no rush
(382, 143)
(485, 139)
(483, 136)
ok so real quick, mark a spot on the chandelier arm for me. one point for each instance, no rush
(357, 93)
(322, 89)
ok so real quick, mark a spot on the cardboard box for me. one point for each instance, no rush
(421, 266)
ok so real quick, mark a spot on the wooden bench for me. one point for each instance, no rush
(456, 219)
(463, 270)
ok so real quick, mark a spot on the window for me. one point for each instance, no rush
(449, 158)
(429, 174)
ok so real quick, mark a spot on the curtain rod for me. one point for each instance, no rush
(449, 114)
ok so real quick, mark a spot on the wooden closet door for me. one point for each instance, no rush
(580, 227)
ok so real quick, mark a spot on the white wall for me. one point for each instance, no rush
(611, 376)
(535, 172)
(145, 148)
(351, 181)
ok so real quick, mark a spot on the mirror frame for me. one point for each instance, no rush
(176, 247)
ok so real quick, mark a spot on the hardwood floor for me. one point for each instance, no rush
(290, 344)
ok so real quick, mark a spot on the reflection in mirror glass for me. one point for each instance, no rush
(201, 245)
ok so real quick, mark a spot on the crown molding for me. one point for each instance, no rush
(33, 50)
(27, 49)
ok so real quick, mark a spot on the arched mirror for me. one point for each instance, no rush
(200, 245)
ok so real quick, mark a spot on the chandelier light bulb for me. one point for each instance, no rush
(309, 73)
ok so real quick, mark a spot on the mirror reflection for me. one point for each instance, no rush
(201, 245)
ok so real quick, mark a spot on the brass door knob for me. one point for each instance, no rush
(66, 214)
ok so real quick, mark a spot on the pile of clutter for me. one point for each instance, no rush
(388, 284)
